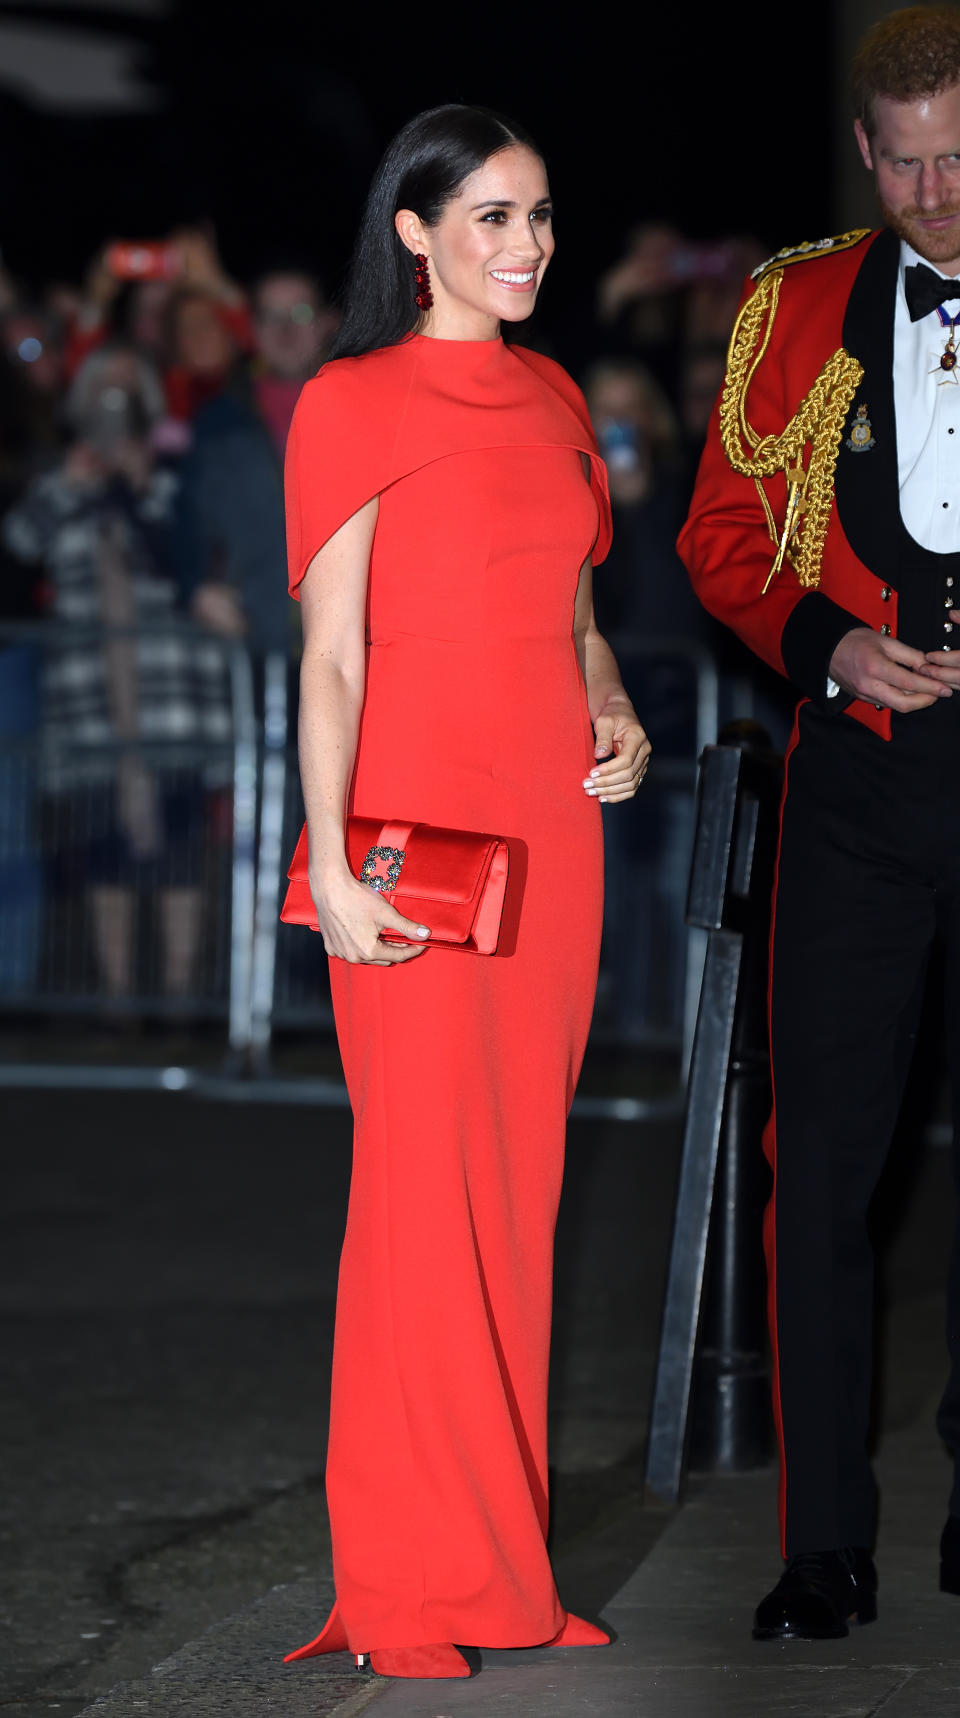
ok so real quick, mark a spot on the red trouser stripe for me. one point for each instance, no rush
(770, 1152)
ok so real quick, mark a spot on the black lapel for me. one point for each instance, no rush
(867, 483)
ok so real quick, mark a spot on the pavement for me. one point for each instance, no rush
(682, 1646)
(167, 1275)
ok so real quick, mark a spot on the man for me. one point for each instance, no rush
(825, 529)
(230, 538)
(294, 328)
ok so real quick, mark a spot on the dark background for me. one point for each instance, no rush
(167, 1277)
(270, 121)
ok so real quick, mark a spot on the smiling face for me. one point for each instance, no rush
(488, 251)
(914, 153)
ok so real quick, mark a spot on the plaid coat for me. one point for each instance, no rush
(80, 536)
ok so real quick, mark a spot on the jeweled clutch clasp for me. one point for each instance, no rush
(386, 879)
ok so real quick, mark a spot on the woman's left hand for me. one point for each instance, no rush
(621, 741)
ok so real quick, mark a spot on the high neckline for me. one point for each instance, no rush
(468, 345)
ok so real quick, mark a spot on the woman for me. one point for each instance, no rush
(445, 497)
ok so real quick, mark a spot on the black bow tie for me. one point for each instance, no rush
(926, 290)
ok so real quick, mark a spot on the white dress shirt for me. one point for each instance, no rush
(926, 403)
(927, 408)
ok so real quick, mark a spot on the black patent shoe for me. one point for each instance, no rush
(950, 1556)
(818, 1595)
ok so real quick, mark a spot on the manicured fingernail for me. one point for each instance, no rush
(422, 931)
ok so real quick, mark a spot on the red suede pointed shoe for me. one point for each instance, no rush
(332, 1638)
(419, 1661)
(577, 1632)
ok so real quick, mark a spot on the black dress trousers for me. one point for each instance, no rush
(869, 876)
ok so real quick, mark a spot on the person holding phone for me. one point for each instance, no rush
(174, 300)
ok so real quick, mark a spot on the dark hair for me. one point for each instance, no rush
(423, 169)
(286, 265)
(908, 54)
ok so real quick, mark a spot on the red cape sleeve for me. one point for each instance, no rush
(336, 460)
(598, 470)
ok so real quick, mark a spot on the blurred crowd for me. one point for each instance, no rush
(164, 388)
(143, 417)
(159, 394)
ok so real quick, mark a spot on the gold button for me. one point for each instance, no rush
(885, 630)
(948, 626)
(948, 602)
(944, 647)
(885, 597)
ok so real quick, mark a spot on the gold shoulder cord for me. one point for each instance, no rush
(819, 420)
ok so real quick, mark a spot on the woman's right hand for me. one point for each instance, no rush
(351, 916)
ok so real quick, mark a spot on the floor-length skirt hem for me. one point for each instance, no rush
(468, 1631)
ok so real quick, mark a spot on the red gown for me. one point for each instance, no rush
(460, 1068)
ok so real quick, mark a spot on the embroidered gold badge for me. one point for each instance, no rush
(861, 438)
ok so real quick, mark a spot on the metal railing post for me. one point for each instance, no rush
(270, 860)
(708, 721)
(244, 970)
(729, 897)
(243, 884)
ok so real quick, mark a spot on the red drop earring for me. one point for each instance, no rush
(421, 274)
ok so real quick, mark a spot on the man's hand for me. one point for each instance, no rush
(944, 665)
(886, 672)
(645, 270)
(100, 286)
(218, 607)
(129, 457)
(200, 265)
(83, 468)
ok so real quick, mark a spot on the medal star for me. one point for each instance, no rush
(948, 358)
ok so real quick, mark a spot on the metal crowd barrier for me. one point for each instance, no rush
(91, 924)
(241, 801)
(651, 964)
(714, 1302)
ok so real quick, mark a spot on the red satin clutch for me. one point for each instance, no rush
(452, 880)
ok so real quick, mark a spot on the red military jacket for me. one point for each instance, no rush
(813, 347)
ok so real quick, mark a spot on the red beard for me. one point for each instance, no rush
(933, 247)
